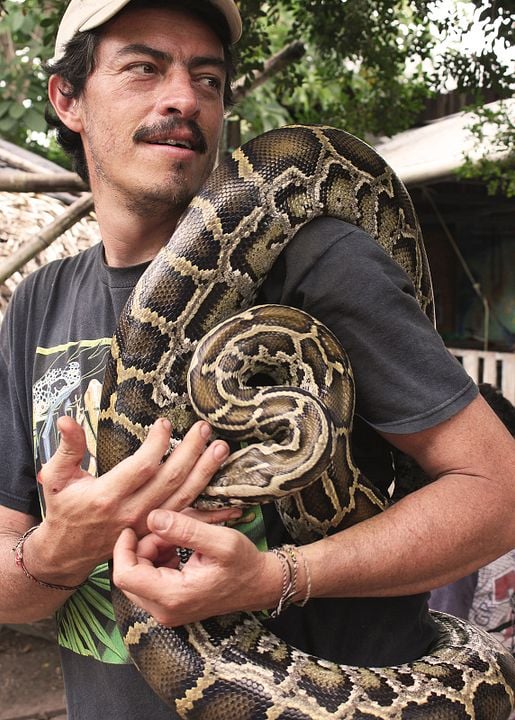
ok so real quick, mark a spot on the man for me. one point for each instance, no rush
(164, 69)
(149, 114)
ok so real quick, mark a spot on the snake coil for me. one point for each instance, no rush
(231, 667)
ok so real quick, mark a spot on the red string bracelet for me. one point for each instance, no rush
(18, 559)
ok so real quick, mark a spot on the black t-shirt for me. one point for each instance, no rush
(53, 347)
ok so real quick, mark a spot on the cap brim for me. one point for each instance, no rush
(102, 15)
(72, 21)
(231, 13)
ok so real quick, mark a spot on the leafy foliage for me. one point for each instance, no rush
(494, 127)
(353, 72)
(481, 69)
(27, 32)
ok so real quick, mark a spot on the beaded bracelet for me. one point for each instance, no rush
(18, 559)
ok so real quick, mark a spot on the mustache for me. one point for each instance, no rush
(167, 127)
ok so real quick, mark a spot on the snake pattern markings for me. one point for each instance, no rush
(231, 667)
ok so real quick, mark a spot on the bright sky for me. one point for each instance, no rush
(476, 38)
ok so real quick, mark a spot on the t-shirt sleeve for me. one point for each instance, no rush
(406, 380)
(17, 482)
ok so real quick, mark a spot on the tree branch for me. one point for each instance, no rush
(291, 53)
(6, 44)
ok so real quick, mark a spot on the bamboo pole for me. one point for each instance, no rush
(13, 181)
(22, 163)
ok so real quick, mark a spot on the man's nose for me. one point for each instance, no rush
(179, 95)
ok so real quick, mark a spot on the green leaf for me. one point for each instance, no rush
(94, 627)
(35, 120)
(98, 601)
(86, 622)
(29, 24)
(17, 18)
(16, 111)
(7, 124)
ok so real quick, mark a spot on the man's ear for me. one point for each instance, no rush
(66, 108)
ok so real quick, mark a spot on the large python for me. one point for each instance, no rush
(231, 667)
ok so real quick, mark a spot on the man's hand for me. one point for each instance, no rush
(226, 572)
(85, 515)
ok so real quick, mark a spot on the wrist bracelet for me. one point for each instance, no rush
(307, 572)
(18, 559)
(287, 554)
(293, 551)
(289, 586)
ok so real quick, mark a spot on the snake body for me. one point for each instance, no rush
(204, 283)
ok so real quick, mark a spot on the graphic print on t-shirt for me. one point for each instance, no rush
(68, 381)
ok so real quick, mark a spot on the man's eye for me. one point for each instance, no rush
(211, 82)
(142, 68)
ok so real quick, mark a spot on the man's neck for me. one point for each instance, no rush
(130, 239)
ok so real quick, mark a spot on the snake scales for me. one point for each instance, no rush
(230, 667)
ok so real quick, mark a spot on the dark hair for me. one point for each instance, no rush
(78, 62)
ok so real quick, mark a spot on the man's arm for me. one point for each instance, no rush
(433, 536)
(21, 600)
(447, 529)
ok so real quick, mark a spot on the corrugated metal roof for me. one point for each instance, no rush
(436, 150)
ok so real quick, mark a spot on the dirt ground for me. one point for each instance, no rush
(31, 686)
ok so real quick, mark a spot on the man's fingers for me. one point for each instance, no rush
(183, 531)
(157, 551)
(215, 573)
(147, 460)
(129, 569)
(136, 470)
(72, 444)
(127, 551)
(146, 480)
(66, 461)
(214, 517)
(124, 552)
(191, 466)
(150, 453)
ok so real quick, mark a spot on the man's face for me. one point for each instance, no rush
(152, 110)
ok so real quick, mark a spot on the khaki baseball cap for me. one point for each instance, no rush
(83, 15)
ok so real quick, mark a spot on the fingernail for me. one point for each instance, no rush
(205, 430)
(161, 520)
(166, 423)
(220, 451)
